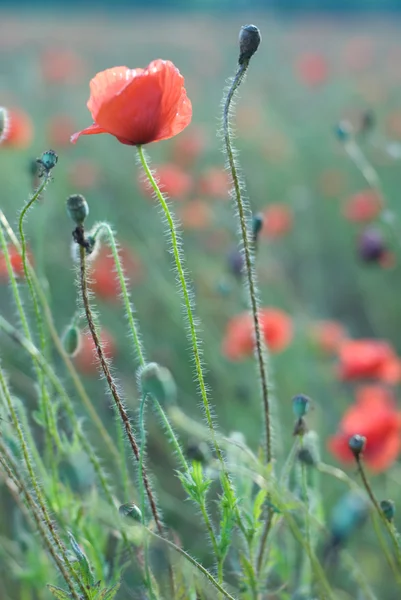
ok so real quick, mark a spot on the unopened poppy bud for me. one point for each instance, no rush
(371, 246)
(72, 340)
(300, 405)
(77, 208)
(48, 160)
(357, 444)
(343, 131)
(131, 511)
(388, 508)
(3, 123)
(249, 40)
(305, 456)
(159, 383)
(257, 224)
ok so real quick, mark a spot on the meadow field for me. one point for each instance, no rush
(317, 127)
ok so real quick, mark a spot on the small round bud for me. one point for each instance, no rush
(77, 208)
(48, 160)
(357, 444)
(300, 405)
(249, 40)
(371, 246)
(343, 131)
(159, 383)
(388, 508)
(198, 452)
(131, 511)
(257, 224)
(3, 123)
(72, 340)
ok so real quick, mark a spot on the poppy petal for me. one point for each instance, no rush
(106, 85)
(91, 130)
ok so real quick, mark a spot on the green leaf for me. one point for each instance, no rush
(108, 594)
(59, 593)
(258, 505)
(84, 565)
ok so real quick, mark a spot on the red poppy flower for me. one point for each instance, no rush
(19, 130)
(375, 416)
(16, 263)
(104, 281)
(363, 207)
(277, 221)
(59, 129)
(173, 181)
(368, 359)
(195, 214)
(312, 69)
(215, 183)
(239, 339)
(328, 336)
(187, 148)
(138, 106)
(86, 359)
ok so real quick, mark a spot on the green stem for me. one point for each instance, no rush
(112, 385)
(306, 571)
(34, 512)
(34, 482)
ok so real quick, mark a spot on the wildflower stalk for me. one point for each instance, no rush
(305, 497)
(34, 482)
(390, 529)
(112, 384)
(94, 417)
(6, 460)
(242, 210)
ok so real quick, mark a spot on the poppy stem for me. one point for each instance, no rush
(246, 234)
(112, 385)
(390, 528)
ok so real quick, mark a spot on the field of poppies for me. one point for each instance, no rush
(160, 436)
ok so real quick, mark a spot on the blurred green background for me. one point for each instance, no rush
(285, 124)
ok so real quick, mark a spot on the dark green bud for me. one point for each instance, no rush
(343, 131)
(388, 508)
(357, 444)
(306, 457)
(71, 340)
(48, 160)
(249, 40)
(257, 224)
(130, 511)
(77, 208)
(300, 405)
(159, 383)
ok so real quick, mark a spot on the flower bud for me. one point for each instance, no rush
(3, 123)
(131, 511)
(159, 383)
(343, 131)
(249, 40)
(300, 405)
(388, 508)
(77, 208)
(72, 340)
(257, 224)
(357, 444)
(236, 262)
(48, 160)
(371, 246)
(198, 452)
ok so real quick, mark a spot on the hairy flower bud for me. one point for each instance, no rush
(388, 508)
(131, 511)
(159, 383)
(77, 208)
(72, 340)
(249, 40)
(357, 444)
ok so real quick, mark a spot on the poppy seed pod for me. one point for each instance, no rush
(357, 444)
(77, 208)
(249, 40)
(159, 383)
(3, 123)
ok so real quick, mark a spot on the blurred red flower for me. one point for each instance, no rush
(195, 214)
(277, 221)
(363, 207)
(187, 147)
(239, 338)
(61, 66)
(84, 174)
(173, 181)
(16, 263)
(368, 359)
(311, 69)
(358, 53)
(86, 359)
(328, 336)
(59, 129)
(138, 106)
(104, 282)
(375, 416)
(214, 183)
(19, 130)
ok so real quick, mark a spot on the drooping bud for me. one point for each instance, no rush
(131, 511)
(249, 40)
(77, 208)
(159, 383)
(356, 444)
(3, 123)
(388, 508)
(72, 340)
